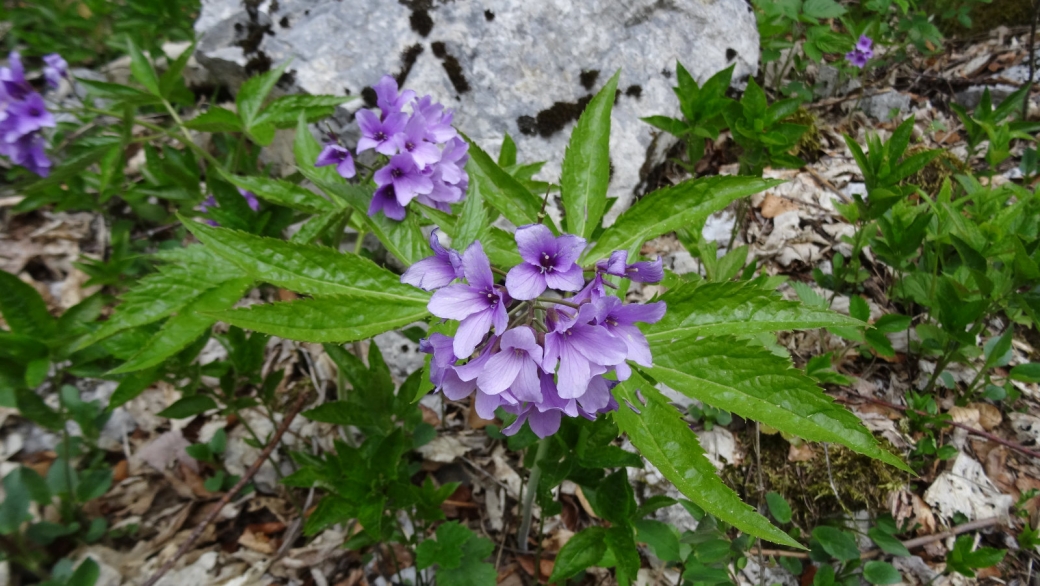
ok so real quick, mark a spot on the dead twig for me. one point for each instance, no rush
(909, 543)
(991, 437)
(271, 445)
(827, 184)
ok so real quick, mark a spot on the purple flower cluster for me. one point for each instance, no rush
(549, 355)
(861, 53)
(24, 115)
(427, 158)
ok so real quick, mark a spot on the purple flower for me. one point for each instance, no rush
(478, 305)
(28, 152)
(549, 262)
(385, 200)
(640, 272)
(544, 417)
(453, 161)
(250, 197)
(379, 134)
(514, 367)
(435, 271)
(438, 120)
(209, 202)
(56, 69)
(619, 320)
(406, 177)
(412, 140)
(12, 79)
(333, 154)
(583, 350)
(388, 100)
(862, 53)
(25, 117)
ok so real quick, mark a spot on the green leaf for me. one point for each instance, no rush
(285, 111)
(193, 271)
(14, 509)
(507, 154)
(473, 222)
(1026, 373)
(314, 270)
(189, 407)
(93, 484)
(881, 573)
(24, 310)
(254, 91)
(141, 69)
(36, 372)
(216, 119)
(328, 319)
(662, 437)
(822, 9)
(839, 544)
(86, 574)
(778, 507)
(620, 542)
(665, 210)
(283, 193)
(446, 551)
(662, 538)
(738, 308)
(184, 328)
(750, 381)
(615, 500)
(586, 164)
(473, 569)
(581, 551)
(887, 542)
(667, 124)
(500, 189)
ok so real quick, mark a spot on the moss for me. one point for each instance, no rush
(552, 119)
(862, 483)
(930, 179)
(634, 91)
(408, 58)
(451, 66)
(984, 16)
(421, 22)
(489, 16)
(808, 146)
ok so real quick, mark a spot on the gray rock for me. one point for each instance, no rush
(505, 67)
(971, 97)
(881, 106)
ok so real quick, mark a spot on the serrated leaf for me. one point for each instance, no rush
(216, 119)
(24, 310)
(192, 271)
(747, 379)
(141, 69)
(327, 319)
(586, 164)
(621, 543)
(184, 328)
(737, 308)
(665, 210)
(581, 551)
(254, 91)
(662, 437)
(446, 550)
(285, 111)
(502, 191)
(315, 270)
(283, 193)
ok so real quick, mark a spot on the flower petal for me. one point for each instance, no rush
(568, 249)
(500, 372)
(544, 424)
(429, 273)
(457, 302)
(570, 280)
(525, 281)
(471, 331)
(477, 267)
(534, 240)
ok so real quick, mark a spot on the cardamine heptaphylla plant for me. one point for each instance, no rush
(549, 355)
(24, 114)
(423, 158)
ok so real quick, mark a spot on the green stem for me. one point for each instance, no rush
(558, 302)
(529, 495)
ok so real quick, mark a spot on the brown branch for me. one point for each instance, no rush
(296, 408)
(993, 438)
(909, 543)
